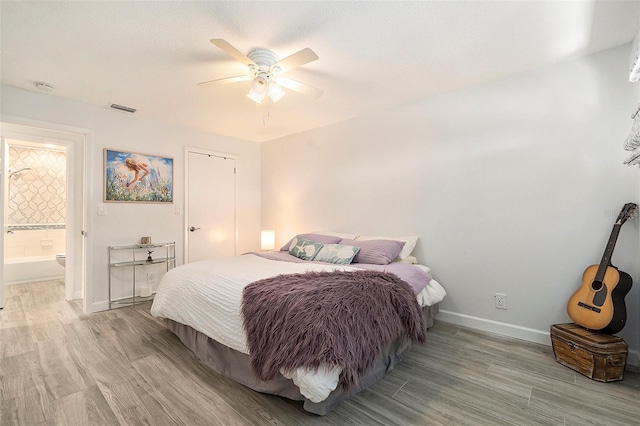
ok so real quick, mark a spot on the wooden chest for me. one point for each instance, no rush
(599, 356)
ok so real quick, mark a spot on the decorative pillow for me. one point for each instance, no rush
(410, 243)
(377, 252)
(318, 238)
(304, 249)
(337, 253)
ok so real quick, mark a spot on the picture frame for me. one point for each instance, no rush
(133, 177)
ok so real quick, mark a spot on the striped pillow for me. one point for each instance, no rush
(376, 252)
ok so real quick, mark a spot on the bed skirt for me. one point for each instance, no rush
(237, 366)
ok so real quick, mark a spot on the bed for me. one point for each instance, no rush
(206, 304)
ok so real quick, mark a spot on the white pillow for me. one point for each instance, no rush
(409, 259)
(343, 235)
(409, 243)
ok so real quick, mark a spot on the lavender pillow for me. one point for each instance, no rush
(377, 252)
(318, 238)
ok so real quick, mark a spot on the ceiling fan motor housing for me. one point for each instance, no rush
(264, 58)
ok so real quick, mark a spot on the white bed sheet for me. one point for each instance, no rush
(207, 296)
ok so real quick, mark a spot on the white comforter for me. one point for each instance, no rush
(207, 296)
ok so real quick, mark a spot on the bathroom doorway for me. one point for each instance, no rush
(36, 210)
(43, 208)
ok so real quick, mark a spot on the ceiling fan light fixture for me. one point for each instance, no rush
(258, 89)
(255, 97)
(275, 92)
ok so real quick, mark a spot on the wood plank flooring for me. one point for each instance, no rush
(123, 367)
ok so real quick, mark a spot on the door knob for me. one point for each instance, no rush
(193, 228)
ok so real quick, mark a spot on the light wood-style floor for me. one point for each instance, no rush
(61, 367)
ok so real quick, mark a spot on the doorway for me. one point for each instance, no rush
(36, 146)
(210, 199)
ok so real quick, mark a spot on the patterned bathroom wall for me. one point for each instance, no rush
(38, 195)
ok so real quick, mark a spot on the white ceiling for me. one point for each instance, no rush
(373, 55)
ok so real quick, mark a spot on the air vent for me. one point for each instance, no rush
(45, 87)
(123, 108)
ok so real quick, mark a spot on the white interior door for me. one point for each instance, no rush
(211, 206)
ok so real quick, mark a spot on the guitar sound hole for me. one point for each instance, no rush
(596, 285)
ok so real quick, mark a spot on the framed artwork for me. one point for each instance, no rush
(137, 178)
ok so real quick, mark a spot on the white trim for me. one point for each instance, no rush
(100, 306)
(516, 331)
(185, 207)
(510, 330)
(4, 194)
(187, 150)
(40, 279)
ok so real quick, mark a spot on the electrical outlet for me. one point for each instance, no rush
(151, 277)
(501, 301)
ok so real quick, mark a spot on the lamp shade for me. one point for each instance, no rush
(268, 240)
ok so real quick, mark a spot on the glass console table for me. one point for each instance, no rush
(136, 256)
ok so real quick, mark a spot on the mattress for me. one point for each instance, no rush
(207, 297)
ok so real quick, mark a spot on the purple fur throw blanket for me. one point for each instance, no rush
(339, 318)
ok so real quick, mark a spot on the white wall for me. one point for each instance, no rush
(513, 187)
(125, 223)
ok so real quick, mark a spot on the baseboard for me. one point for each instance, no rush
(510, 330)
(103, 306)
(35, 280)
(99, 306)
(517, 332)
(77, 295)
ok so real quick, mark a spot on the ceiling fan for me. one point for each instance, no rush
(264, 72)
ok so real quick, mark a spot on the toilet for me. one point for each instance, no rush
(60, 259)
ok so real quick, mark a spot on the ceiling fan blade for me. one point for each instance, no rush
(222, 81)
(305, 89)
(238, 55)
(300, 58)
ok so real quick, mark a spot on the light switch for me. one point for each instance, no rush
(178, 210)
(102, 210)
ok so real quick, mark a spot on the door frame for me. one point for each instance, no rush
(76, 141)
(4, 196)
(187, 151)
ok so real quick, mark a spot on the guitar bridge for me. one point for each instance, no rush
(589, 307)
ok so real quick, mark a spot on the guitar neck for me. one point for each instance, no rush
(608, 252)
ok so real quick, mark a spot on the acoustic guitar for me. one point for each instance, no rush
(599, 302)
